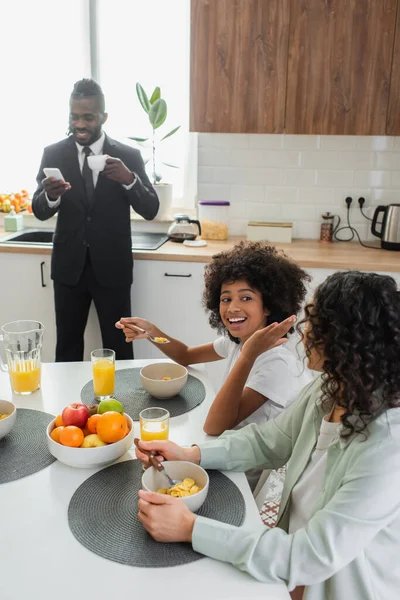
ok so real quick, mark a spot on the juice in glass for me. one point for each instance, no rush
(154, 424)
(103, 368)
(25, 377)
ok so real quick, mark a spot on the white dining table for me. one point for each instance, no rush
(40, 559)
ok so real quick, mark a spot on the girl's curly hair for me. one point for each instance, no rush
(279, 280)
(354, 324)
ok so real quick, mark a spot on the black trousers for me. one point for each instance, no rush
(72, 304)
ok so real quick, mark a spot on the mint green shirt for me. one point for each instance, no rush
(350, 549)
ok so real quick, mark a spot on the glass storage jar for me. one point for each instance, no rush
(214, 218)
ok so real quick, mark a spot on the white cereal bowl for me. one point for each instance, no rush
(152, 480)
(151, 378)
(89, 458)
(7, 408)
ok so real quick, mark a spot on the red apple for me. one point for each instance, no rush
(75, 414)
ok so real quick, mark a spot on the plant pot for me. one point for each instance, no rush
(164, 193)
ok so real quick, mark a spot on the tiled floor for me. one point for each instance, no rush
(270, 508)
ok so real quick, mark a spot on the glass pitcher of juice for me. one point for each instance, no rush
(103, 369)
(154, 424)
(23, 341)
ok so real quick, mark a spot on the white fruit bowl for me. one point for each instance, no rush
(151, 378)
(88, 458)
(7, 408)
(152, 480)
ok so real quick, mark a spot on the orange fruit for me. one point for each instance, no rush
(111, 427)
(55, 434)
(71, 436)
(59, 421)
(92, 423)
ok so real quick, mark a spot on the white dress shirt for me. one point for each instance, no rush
(96, 148)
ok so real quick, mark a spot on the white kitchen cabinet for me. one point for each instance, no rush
(27, 294)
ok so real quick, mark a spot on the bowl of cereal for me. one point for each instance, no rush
(8, 415)
(164, 379)
(193, 484)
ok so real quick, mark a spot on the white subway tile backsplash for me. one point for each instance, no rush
(266, 141)
(214, 157)
(247, 193)
(278, 195)
(247, 176)
(264, 212)
(317, 196)
(213, 191)
(223, 140)
(388, 160)
(335, 178)
(319, 160)
(372, 179)
(338, 142)
(300, 142)
(297, 178)
(357, 160)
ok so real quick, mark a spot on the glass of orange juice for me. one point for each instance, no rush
(154, 424)
(103, 368)
(22, 341)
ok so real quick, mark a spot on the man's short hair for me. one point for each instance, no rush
(88, 88)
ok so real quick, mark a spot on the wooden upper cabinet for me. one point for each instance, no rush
(239, 52)
(340, 59)
(393, 117)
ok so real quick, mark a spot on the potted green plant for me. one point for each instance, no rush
(156, 109)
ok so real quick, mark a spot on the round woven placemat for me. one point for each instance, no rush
(102, 515)
(24, 450)
(129, 391)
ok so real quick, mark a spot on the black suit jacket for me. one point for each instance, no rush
(102, 227)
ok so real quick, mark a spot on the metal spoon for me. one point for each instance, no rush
(157, 464)
(156, 340)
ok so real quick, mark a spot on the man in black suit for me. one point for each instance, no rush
(92, 248)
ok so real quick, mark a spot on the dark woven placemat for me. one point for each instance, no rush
(24, 450)
(102, 515)
(129, 391)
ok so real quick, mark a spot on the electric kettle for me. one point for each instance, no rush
(389, 231)
(184, 228)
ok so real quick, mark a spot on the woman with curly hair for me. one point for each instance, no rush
(338, 533)
(245, 289)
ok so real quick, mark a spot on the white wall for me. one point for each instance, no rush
(297, 178)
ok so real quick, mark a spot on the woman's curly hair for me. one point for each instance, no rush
(354, 324)
(279, 280)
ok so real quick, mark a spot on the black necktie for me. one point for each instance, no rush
(87, 175)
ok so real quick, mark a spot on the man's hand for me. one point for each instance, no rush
(55, 188)
(116, 170)
(167, 519)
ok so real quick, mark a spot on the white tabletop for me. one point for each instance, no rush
(41, 560)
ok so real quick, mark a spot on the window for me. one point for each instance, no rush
(45, 49)
(148, 41)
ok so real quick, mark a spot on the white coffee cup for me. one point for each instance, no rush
(97, 162)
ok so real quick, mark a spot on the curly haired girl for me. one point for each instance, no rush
(246, 288)
(338, 531)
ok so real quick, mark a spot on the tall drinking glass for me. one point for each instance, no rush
(22, 342)
(154, 424)
(103, 368)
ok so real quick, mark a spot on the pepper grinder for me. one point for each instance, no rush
(327, 227)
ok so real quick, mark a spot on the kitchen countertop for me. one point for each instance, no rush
(37, 539)
(307, 253)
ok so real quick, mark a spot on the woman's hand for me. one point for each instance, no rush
(167, 519)
(267, 338)
(167, 451)
(128, 324)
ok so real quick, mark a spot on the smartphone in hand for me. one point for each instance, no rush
(53, 172)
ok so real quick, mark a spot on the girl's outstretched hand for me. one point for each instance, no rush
(267, 338)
